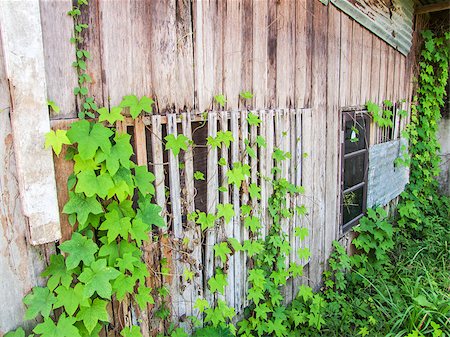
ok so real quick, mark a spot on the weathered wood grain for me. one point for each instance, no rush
(259, 61)
(356, 65)
(57, 29)
(366, 61)
(318, 153)
(375, 70)
(333, 118)
(345, 64)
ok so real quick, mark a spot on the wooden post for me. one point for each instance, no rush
(20, 24)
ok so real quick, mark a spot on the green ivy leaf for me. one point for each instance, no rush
(260, 141)
(246, 95)
(89, 138)
(199, 175)
(121, 153)
(220, 99)
(58, 272)
(64, 328)
(90, 184)
(226, 211)
(253, 223)
(206, 221)
(137, 106)
(139, 231)
(56, 139)
(144, 180)
(144, 297)
(39, 301)
(133, 331)
(80, 248)
(151, 214)
(301, 232)
(91, 315)
(252, 119)
(218, 282)
(176, 144)
(221, 251)
(214, 142)
(225, 137)
(179, 332)
(116, 225)
(201, 304)
(303, 253)
(53, 106)
(96, 279)
(123, 285)
(70, 298)
(255, 191)
(110, 116)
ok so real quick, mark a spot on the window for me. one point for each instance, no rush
(354, 167)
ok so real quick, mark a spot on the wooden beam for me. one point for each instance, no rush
(20, 24)
(433, 8)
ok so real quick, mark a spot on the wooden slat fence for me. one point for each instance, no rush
(182, 245)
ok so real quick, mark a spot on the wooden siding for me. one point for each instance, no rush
(290, 54)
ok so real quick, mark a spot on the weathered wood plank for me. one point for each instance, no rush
(57, 27)
(232, 51)
(212, 200)
(244, 233)
(272, 28)
(333, 118)
(345, 61)
(235, 197)
(247, 56)
(207, 51)
(260, 23)
(303, 50)
(194, 287)
(375, 70)
(23, 56)
(383, 71)
(285, 54)
(390, 74)
(366, 61)
(356, 64)
(263, 174)
(225, 199)
(20, 263)
(319, 102)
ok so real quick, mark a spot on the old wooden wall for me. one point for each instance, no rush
(290, 54)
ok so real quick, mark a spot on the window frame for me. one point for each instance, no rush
(351, 115)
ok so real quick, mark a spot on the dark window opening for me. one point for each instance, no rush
(355, 158)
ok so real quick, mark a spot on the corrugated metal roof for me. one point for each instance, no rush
(391, 21)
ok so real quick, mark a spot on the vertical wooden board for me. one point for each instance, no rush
(260, 66)
(232, 52)
(345, 64)
(319, 131)
(262, 161)
(244, 200)
(366, 63)
(285, 69)
(270, 93)
(212, 200)
(140, 146)
(333, 131)
(57, 29)
(397, 79)
(184, 83)
(63, 169)
(292, 178)
(390, 74)
(356, 65)
(254, 161)
(194, 288)
(402, 79)
(375, 70)
(208, 16)
(303, 40)
(158, 170)
(23, 58)
(308, 146)
(235, 199)
(116, 53)
(163, 58)
(270, 141)
(92, 42)
(383, 71)
(247, 57)
(225, 199)
(158, 163)
(178, 300)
